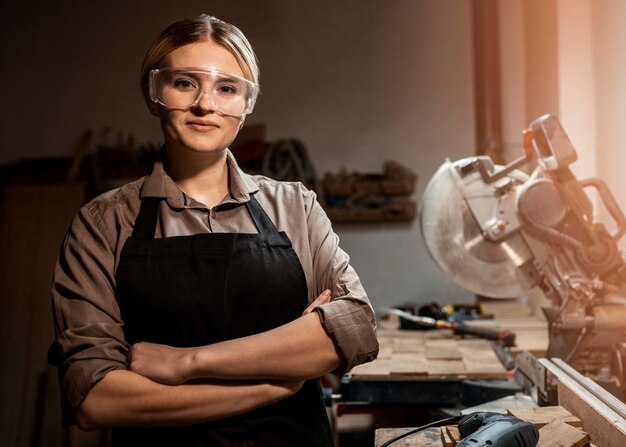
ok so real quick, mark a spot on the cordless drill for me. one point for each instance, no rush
(484, 429)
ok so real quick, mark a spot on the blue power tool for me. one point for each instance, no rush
(484, 429)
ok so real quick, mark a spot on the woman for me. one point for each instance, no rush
(198, 305)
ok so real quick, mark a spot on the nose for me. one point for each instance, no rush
(205, 102)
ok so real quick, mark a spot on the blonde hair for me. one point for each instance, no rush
(201, 29)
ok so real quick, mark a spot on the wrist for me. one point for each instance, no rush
(275, 391)
(190, 365)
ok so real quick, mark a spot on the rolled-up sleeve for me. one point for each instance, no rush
(348, 319)
(89, 339)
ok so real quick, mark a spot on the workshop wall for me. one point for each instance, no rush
(359, 82)
(608, 19)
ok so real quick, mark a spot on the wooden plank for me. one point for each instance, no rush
(431, 437)
(480, 359)
(410, 357)
(606, 428)
(534, 341)
(445, 438)
(541, 416)
(408, 345)
(443, 349)
(408, 368)
(446, 368)
(377, 368)
(559, 434)
(500, 308)
(453, 433)
(437, 354)
(385, 352)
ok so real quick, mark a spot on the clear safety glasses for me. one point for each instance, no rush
(183, 88)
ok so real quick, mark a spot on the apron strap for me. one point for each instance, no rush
(145, 224)
(264, 224)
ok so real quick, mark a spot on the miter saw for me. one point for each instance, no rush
(499, 232)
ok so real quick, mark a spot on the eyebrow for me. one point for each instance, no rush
(190, 70)
(227, 76)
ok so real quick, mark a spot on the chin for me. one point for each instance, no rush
(202, 145)
(196, 142)
(204, 148)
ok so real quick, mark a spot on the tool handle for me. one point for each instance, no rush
(506, 337)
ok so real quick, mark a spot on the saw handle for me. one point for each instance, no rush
(506, 337)
(610, 204)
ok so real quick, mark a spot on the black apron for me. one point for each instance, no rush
(187, 291)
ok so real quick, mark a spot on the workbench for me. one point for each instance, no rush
(420, 371)
(598, 415)
(421, 367)
(431, 366)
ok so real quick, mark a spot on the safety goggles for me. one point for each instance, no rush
(183, 88)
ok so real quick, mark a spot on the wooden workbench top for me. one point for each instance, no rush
(430, 354)
(439, 354)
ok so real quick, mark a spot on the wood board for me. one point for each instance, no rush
(541, 416)
(559, 434)
(606, 428)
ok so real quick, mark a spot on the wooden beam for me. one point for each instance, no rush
(604, 423)
(487, 79)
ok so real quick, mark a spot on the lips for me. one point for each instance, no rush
(202, 125)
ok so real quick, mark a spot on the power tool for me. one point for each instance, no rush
(501, 233)
(485, 429)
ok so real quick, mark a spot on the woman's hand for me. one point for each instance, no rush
(322, 299)
(161, 363)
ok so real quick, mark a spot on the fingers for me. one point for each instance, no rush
(323, 298)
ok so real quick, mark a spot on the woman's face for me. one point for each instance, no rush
(201, 128)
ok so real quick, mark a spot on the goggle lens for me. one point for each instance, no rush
(182, 88)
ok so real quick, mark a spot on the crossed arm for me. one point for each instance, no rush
(160, 389)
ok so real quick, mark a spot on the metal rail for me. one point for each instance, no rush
(563, 372)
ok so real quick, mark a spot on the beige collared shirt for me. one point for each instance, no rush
(89, 336)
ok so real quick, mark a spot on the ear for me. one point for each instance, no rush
(152, 106)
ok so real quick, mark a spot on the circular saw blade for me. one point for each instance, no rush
(455, 241)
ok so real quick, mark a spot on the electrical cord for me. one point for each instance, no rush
(453, 419)
(577, 345)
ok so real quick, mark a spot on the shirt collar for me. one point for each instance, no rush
(241, 184)
(160, 185)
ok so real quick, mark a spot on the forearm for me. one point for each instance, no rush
(126, 399)
(300, 349)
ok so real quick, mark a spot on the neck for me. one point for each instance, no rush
(203, 176)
